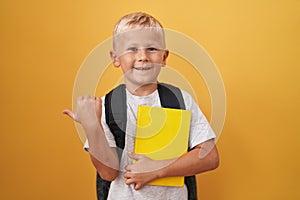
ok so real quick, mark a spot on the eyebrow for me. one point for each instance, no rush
(154, 44)
(132, 44)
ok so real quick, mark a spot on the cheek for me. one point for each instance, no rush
(157, 59)
(126, 65)
(126, 61)
(125, 68)
(127, 58)
(161, 60)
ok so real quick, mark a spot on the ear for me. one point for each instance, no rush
(114, 58)
(165, 56)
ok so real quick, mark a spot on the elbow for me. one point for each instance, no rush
(214, 163)
(107, 170)
(214, 160)
(209, 155)
(109, 176)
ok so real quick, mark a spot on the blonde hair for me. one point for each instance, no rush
(136, 20)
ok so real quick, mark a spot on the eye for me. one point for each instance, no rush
(132, 49)
(152, 49)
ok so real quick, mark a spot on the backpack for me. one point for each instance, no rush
(116, 119)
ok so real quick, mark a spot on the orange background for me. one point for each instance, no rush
(255, 45)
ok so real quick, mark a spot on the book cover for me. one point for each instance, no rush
(162, 133)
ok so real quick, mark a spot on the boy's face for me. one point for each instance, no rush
(141, 54)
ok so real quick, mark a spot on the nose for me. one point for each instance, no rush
(142, 55)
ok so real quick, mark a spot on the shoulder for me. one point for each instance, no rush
(117, 91)
(114, 95)
(186, 95)
(188, 100)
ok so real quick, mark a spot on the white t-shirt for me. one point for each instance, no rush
(200, 131)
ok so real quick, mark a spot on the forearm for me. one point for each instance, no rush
(201, 159)
(103, 157)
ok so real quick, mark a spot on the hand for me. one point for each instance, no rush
(88, 110)
(142, 171)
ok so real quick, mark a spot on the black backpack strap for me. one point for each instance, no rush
(191, 185)
(116, 118)
(116, 114)
(102, 188)
(171, 97)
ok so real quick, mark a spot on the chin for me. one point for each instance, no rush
(139, 83)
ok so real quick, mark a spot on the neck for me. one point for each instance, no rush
(143, 90)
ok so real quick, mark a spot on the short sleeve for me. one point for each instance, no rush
(200, 129)
(109, 136)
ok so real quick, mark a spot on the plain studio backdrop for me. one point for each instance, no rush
(255, 45)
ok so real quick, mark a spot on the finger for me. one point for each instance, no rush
(69, 113)
(80, 98)
(135, 156)
(127, 175)
(84, 97)
(128, 168)
(98, 108)
(129, 181)
(98, 103)
(138, 186)
(91, 97)
(98, 100)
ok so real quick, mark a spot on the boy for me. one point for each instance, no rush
(139, 49)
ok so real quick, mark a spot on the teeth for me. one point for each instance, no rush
(142, 68)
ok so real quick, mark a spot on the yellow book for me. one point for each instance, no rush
(162, 133)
